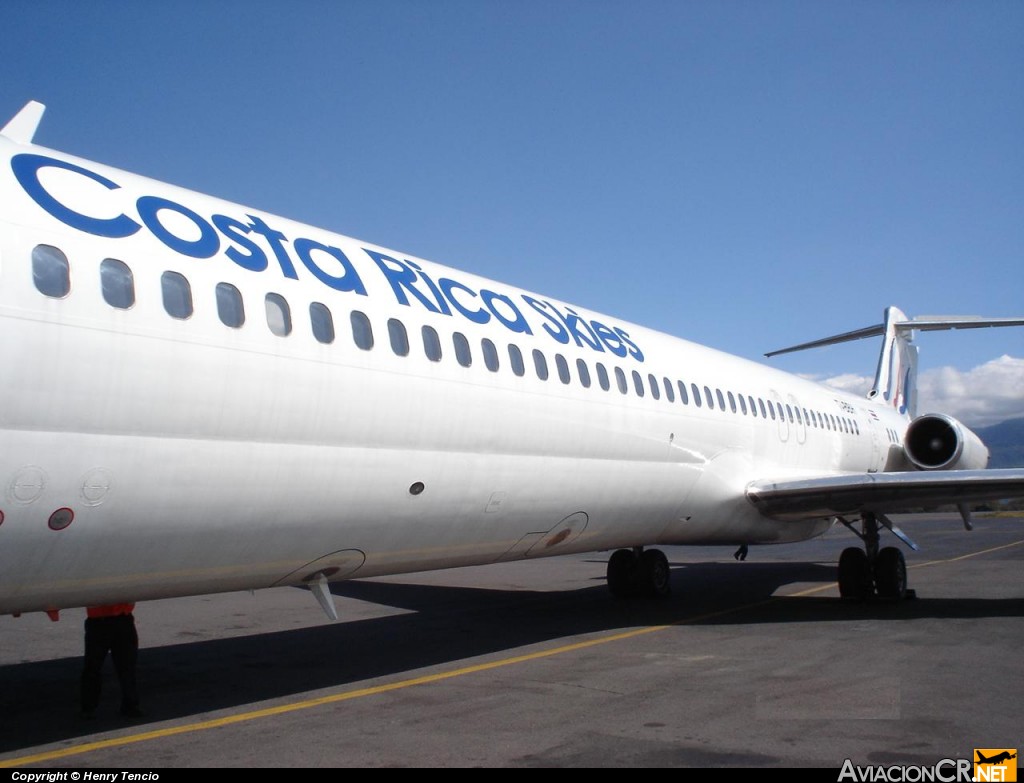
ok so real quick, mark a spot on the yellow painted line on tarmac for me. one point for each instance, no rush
(375, 690)
(336, 698)
(968, 555)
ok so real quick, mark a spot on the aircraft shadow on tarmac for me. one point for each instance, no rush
(444, 626)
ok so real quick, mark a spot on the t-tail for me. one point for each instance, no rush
(896, 376)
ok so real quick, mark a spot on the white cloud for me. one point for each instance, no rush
(988, 394)
(848, 382)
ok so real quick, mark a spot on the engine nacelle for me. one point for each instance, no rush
(938, 442)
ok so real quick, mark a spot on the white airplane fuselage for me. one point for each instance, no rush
(191, 456)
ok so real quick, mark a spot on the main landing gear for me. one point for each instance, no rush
(639, 573)
(872, 572)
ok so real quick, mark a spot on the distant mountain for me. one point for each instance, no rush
(1005, 443)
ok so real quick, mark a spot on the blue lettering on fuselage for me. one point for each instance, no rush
(246, 244)
(26, 170)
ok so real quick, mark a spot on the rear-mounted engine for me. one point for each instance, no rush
(937, 442)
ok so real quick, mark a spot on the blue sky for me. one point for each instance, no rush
(747, 175)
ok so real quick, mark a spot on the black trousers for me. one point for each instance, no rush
(116, 635)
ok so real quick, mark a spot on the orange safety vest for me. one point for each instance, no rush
(112, 610)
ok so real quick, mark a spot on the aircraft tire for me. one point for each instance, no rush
(890, 574)
(657, 576)
(624, 574)
(854, 575)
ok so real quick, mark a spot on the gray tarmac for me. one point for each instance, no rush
(752, 664)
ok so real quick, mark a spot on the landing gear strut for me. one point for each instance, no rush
(871, 572)
(639, 573)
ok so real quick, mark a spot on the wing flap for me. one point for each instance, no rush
(791, 500)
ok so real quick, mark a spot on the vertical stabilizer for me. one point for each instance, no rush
(22, 126)
(896, 376)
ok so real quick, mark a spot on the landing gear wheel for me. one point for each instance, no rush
(854, 574)
(624, 574)
(656, 575)
(890, 574)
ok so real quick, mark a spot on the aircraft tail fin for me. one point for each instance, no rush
(896, 376)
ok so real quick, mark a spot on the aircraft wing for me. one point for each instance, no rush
(791, 500)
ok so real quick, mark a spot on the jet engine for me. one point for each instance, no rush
(938, 442)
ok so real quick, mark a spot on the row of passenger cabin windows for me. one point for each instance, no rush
(52, 276)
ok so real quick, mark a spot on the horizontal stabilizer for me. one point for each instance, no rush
(925, 323)
(881, 493)
(845, 337)
(22, 126)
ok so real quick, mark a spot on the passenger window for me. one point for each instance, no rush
(584, 372)
(743, 404)
(229, 305)
(732, 402)
(362, 331)
(760, 404)
(431, 343)
(682, 393)
(753, 406)
(177, 294)
(462, 352)
(563, 368)
(117, 283)
(620, 380)
(669, 391)
(515, 358)
(652, 383)
(638, 384)
(602, 377)
(50, 271)
(398, 336)
(490, 355)
(540, 364)
(771, 410)
(721, 399)
(789, 413)
(799, 418)
(279, 316)
(322, 321)
(696, 394)
(708, 398)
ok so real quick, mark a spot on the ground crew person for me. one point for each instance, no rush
(110, 628)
